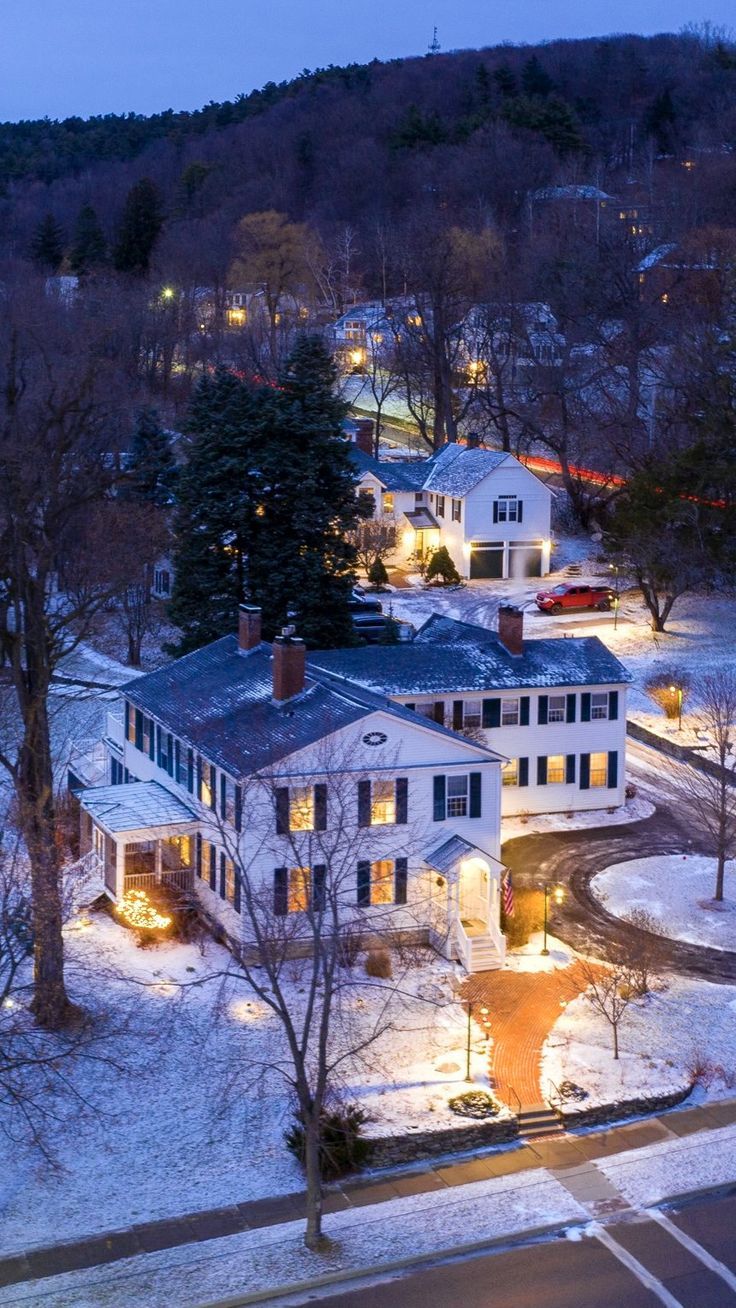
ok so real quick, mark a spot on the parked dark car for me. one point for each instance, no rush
(575, 595)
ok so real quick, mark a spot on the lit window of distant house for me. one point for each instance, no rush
(383, 803)
(299, 887)
(388, 502)
(510, 772)
(230, 881)
(509, 712)
(301, 808)
(599, 769)
(599, 706)
(556, 708)
(207, 782)
(382, 882)
(556, 769)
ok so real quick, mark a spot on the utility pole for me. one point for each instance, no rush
(434, 45)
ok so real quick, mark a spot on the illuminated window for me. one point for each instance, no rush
(556, 708)
(131, 724)
(472, 713)
(301, 809)
(388, 502)
(599, 769)
(440, 506)
(457, 510)
(206, 782)
(510, 772)
(599, 706)
(555, 769)
(230, 881)
(509, 712)
(382, 882)
(383, 803)
(457, 796)
(299, 886)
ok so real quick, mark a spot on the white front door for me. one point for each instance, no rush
(474, 888)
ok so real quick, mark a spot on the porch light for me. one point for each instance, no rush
(357, 357)
(168, 293)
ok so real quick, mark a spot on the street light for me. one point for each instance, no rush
(616, 598)
(559, 895)
(677, 690)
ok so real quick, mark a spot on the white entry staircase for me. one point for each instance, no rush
(479, 949)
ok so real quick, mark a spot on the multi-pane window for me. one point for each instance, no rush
(508, 508)
(301, 808)
(182, 766)
(428, 710)
(599, 769)
(131, 724)
(207, 781)
(383, 803)
(418, 499)
(510, 772)
(440, 506)
(509, 712)
(388, 502)
(599, 706)
(457, 796)
(472, 713)
(457, 510)
(556, 708)
(555, 769)
(230, 881)
(147, 735)
(298, 889)
(382, 882)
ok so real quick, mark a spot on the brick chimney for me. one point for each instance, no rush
(511, 629)
(289, 662)
(249, 628)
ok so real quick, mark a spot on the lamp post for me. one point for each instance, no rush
(677, 690)
(616, 596)
(559, 895)
(467, 1055)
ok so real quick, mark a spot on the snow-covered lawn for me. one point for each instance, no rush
(634, 810)
(192, 1114)
(677, 890)
(674, 1167)
(662, 1038)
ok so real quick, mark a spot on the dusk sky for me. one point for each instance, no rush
(61, 57)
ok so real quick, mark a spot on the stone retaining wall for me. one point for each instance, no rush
(392, 1150)
(602, 1114)
(682, 752)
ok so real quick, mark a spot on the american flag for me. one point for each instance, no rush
(507, 892)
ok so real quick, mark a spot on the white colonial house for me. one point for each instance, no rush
(491, 512)
(242, 760)
(555, 709)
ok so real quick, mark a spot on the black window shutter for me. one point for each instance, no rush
(519, 510)
(612, 769)
(402, 800)
(542, 770)
(127, 720)
(613, 705)
(319, 883)
(542, 707)
(199, 777)
(585, 706)
(364, 803)
(280, 891)
(523, 771)
(439, 711)
(190, 771)
(439, 806)
(198, 854)
(475, 794)
(223, 796)
(222, 875)
(495, 510)
(413, 707)
(236, 892)
(138, 729)
(213, 868)
(570, 706)
(585, 771)
(170, 754)
(491, 713)
(213, 788)
(401, 874)
(238, 808)
(320, 806)
(457, 714)
(570, 769)
(159, 751)
(282, 810)
(364, 883)
(524, 711)
(151, 740)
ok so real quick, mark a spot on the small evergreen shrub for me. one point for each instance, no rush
(442, 569)
(377, 574)
(378, 964)
(477, 1104)
(342, 1147)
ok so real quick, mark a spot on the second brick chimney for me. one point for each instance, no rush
(511, 629)
(289, 664)
(249, 628)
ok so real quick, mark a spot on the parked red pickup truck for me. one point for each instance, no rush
(575, 595)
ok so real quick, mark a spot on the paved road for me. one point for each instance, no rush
(630, 1264)
(572, 858)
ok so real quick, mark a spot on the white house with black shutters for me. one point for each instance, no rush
(555, 709)
(242, 769)
(491, 512)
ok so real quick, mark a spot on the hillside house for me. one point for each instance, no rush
(243, 756)
(491, 512)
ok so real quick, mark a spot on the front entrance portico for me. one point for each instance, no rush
(142, 836)
(473, 906)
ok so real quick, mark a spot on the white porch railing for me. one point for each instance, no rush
(83, 881)
(115, 730)
(182, 879)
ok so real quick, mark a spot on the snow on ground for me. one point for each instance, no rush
(194, 1116)
(662, 1038)
(674, 1167)
(677, 889)
(529, 957)
(275, 1256)
(634, 810)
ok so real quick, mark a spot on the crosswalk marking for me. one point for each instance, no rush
(695, 1249)
(636, 1268)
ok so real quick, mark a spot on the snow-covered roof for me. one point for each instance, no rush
(571, 193)
(453, 470)
(447, 656)
(655, 257)
(447, 855)
(138, 806)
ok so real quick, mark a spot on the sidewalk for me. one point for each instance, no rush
(568, 1151)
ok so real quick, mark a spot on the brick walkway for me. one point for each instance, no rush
(523, 1008)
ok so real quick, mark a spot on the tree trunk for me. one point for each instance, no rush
(134, 650)
(313, 1231)
(615, 1039)
(720, 871)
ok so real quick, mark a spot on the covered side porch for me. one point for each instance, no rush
(473, 903)
(141, 835)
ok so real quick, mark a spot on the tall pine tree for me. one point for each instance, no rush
(47, 246)
(140, 227)
(151, 464)
(89, 248)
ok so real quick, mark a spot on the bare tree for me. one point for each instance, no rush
(713, 793)
(373, 539)
(611, 987)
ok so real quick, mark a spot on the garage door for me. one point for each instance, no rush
(525, 561)
(486, 561)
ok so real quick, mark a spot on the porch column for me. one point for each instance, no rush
(119, 866)
(159, 862)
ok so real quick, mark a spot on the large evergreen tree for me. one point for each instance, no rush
(89, 248)
(140, 227)
(47, 246)
(264, 505)
(151, 466)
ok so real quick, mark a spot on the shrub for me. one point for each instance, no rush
(378, 964)
(474, 1103)
(348, 949)
(377, 574)
(528, 917)
(442, 569)
(570, 1092)
(659, 687)
(342, 1147)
